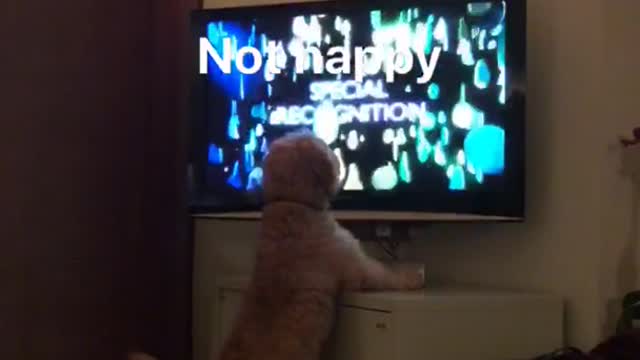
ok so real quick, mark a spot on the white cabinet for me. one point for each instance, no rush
(444, 324)
(230, 303)
(362, 334)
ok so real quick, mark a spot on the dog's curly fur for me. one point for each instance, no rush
(304, 259)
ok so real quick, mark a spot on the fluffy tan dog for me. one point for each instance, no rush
(304, 259)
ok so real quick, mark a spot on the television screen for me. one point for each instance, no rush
(422, 102)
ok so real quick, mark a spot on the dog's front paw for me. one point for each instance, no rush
(413, 276)
(414, 279)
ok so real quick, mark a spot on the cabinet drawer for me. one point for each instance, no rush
(362, 334)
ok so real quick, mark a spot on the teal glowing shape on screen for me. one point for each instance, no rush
(423, 147)
(441, 33)
(433, 91)
(484, 148)
(428, 121)
(439, 155)
(234, 122)
(465, 115)
(385, 177)
(428, 46)
(478, 8)
(465, 48)
(442, 118)
(444, 136)
(481, 75)
(404, 168)
(456, 176)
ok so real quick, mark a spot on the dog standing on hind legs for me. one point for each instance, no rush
(304, 259)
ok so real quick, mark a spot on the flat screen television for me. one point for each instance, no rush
(422, 101)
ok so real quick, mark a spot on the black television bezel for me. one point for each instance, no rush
(464, 206)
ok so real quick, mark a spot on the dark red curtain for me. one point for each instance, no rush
(94, 256)
(165, 216)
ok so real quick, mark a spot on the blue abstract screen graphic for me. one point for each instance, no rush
(448, 134)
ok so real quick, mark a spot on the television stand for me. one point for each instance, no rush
(452, 323)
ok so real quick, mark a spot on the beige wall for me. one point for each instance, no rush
(581, 96)
(619, 238)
